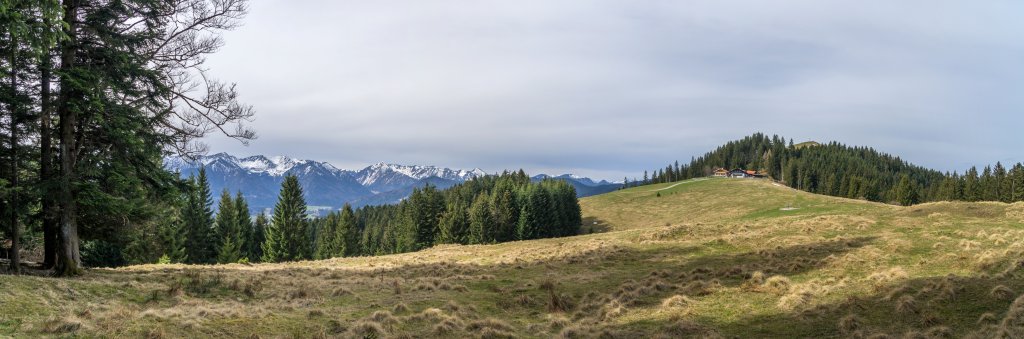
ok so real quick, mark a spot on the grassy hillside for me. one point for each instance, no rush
(700, 258)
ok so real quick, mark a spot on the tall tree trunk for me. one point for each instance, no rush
(69, 260)
(13, 107)
(50, 216)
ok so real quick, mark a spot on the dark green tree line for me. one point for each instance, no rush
(852, 172)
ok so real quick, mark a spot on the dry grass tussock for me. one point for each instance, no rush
(880, 279)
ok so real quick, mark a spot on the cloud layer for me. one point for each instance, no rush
(610, 88)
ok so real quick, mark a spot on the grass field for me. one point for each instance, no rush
(704, 258)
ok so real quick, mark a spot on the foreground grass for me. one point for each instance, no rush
(694, 259)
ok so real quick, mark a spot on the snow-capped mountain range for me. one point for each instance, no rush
(259, 178)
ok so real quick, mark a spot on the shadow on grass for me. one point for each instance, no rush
(933, 307)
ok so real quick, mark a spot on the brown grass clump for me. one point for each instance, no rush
(558, 303)
(558, 323)
(522, 300)
(849, 325)
(425, 287)
(366, 329)
(676, 301)
(906, 305)
(383, 317)
(756, 278)
(430, 314)
(1012, 325)
(341, 291)
(62, 326)
(300, 293)
(1002, 292)
(490, 328)
(335, 327)
(400, 308)
(776, 284)
(883, 278)
(448, 326)
(611, 310)
(797, 298)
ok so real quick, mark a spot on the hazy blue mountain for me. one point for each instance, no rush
(584, 186)
(259, 179)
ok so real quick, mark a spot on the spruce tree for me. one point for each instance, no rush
(504, 210)
(197, 217)
(259, 237)
(481, 221)
(244, 227)
(326, 233)
(972, 186)
(287, 235)
(348, 233)
(906, 192)
(454, 225)
(228, 245)
(1015, 180)
(425, 208)
(175, 240)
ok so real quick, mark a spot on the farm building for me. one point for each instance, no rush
(737, 173)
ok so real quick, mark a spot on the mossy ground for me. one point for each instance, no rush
(704, 258)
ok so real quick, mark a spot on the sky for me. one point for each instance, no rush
(608, 89)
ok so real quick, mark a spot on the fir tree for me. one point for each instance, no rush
(454, 225)
(906, 192)
(1016, 178)
(972, 186)
(197, 217)
(244, 227)
(259, 237)
(175, 238)
(228, 244)
(326, 233)
(287, 235)
(481, 222)
(504, 210)
(348, 233)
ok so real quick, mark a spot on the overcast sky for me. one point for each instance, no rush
(611, 88)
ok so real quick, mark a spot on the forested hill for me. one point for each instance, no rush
(847, 171)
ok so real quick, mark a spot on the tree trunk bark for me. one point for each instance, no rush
(13, 107)
(50, 220)
(69, 261)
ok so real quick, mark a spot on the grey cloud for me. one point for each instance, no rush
(610, 88)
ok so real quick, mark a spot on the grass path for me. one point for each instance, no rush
(679, 183)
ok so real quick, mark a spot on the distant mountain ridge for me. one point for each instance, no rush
(259, 178)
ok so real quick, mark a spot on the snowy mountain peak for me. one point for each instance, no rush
(384, 173)
(260, 177)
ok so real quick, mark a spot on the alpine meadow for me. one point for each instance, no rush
(615, 169)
